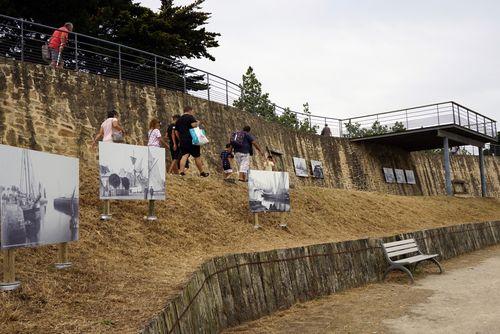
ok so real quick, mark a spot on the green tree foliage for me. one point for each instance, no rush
(354, 130)
(173, 31)
(254, 101)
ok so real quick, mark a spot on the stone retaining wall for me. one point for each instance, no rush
(60, 111)
(229, 290)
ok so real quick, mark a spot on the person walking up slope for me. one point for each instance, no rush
(182, 127)
(243, 143)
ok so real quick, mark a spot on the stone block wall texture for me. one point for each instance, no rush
(229, 290)
(60, 112)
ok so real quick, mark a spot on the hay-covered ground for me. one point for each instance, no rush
(124, 270)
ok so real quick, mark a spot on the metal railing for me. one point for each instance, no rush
(22, 40)
(432, 115)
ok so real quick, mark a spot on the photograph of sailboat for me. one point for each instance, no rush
(156, 173)
(389, 175)
(131, 172)
(268, 191)
(317, 168)
(300, 167)
(400, 175)
(410, 176)
(38, 198)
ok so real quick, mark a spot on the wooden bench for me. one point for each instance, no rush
(404, 253)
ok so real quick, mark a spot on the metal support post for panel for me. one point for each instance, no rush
(256, 221)
(156, 75)
(151, 211)
(9, 271)
(283, 221)
(119, 62)
(63, 262)
(76, 52)
(22, 40)
(447, 172)
(208, 87)
(105, 215)
(227, 95)
(482, 172)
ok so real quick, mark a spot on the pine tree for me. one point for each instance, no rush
(252, 99)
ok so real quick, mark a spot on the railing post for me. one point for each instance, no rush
(437, 108)
(340, 128)
(477, 124)
(76, 52)
(453, 112)
(484, 124)
(458, 113)
(156, 75)
(227, 95)
(119, 62)
(22, 40)
(208, 87)
(407, 123)
(468, 120)
(184, 79)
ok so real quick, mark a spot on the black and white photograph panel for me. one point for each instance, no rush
(410, 176)
(389, 175)
(317, 169)
(300, 167)
(400, 176)
(268, 191)
(39, 198)
(156, 173)
(123, 171)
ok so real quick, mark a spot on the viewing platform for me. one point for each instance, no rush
(423, 127)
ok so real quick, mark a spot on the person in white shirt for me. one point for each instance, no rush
(269, 164)
(154, 135)
(108, 128)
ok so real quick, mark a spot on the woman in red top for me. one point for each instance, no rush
(57, 43)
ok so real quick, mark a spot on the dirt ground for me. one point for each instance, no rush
(125, 270)
(464, 299)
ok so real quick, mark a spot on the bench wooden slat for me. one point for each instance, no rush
(396, 248)
(402, 252)
(416, 258)
(397, 243)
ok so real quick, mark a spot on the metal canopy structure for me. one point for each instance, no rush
(428, 138)
(428, 127)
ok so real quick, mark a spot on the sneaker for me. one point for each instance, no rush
(182, 174)
(204, 174)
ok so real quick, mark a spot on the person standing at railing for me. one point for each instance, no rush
(57, 42)
(326, 131)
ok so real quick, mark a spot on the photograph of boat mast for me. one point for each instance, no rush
(38, 198)
(268, 191)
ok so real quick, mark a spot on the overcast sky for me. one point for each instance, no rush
(349, 58)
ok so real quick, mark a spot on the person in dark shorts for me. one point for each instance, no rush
(182, 127)
(226, 157)
(174, 147)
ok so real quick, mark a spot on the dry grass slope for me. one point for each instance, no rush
(125, 270)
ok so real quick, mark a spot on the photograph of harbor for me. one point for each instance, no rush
(268, 191)
(39, 198)
(131, 172)
(300, 167)
(317, 168)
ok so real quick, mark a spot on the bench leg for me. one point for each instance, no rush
(399, 267)
(438, 264)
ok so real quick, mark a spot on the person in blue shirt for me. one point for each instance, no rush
(243, 143)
